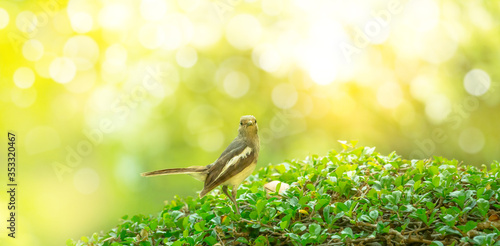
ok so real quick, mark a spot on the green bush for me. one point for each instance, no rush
(357, 196)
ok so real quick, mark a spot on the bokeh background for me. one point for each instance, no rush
(100, 91)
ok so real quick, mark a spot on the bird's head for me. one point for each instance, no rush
(248, 125)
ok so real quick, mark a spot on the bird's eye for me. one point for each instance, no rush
(241, 123)
(255, 121)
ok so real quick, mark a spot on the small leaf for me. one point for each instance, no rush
(468, 226)
(341, 207)
(198, 227)
(314, 229)
(84, 239)
(211, 240)
(242, 240)
(483, 206)
(261, 204)
(374, 215)
(417, 184)
(310, 187)
(298, 227)
(321, 203)
(435, 181)
(348, 232)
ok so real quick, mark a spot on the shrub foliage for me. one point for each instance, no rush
(353, 197)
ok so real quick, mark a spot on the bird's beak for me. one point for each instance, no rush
(249, 123)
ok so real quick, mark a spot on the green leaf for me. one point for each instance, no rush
(347, 232)
(383, 227)
(178, 243)
(294, 236)
(433, 170)
(435, 181)
(198, 226)
(314, 229)
(153, 225)
(261, 240)
(468, 226)
(417, 184)
(294, 201)
(437, 243)
(242, 240)
(70, 242)
(321, 203)
(210, 240)
(84, 239)
(483, 206)
(374, 215)
(341, 207)
(285, 221)
(449, 219)
(185, 222)
(261, 204)
(298, 227)
(420, 166)
(311, 187)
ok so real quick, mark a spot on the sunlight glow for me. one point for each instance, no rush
(62, 70)
(24, 77)
(477, 82)
(243, 31)
(4, 18)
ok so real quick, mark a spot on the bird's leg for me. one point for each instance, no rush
(235, 189)
(224, 189)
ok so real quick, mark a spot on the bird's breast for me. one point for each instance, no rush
(238, 178)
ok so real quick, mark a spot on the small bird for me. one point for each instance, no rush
(233, 166)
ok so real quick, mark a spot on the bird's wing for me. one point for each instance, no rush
(237, 156)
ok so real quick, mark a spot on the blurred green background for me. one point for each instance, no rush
(100, 91)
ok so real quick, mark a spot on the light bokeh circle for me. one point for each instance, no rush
(62, 70)
(86, 180)
(243, 31)
(24, 77)
(284, 95)
(33, 50)
(236, 84)
(4, 18)
(477, 82)
(471, 140)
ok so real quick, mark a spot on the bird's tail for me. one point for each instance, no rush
(195, 171)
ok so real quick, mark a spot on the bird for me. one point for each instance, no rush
(233, 166)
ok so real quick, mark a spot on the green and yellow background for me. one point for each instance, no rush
(98, 91)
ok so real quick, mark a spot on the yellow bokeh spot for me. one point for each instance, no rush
(23, 98)
(236, 84)
(477, 82)
(24, 77)
(153, 10)
(33, 50)
(437, 108)
(62, 70)
(83, 51)
(81, 22)
(471, 140)
(4, 18)
(27, 22)
(152, 36)
(115, 16)
(389, 95)
(243, 31)
(86, 180)
(186, 57)
(284, 96)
